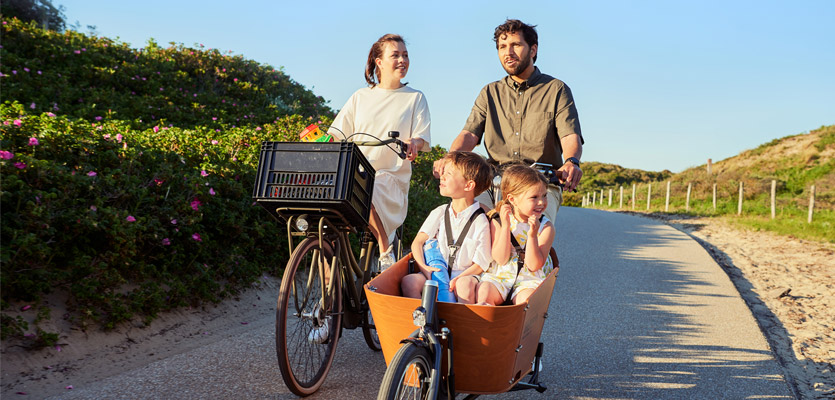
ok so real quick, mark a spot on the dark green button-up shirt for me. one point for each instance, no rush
(525, 121)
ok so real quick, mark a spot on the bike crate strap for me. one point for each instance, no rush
(315, 177)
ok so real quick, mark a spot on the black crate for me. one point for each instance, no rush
(334, 180)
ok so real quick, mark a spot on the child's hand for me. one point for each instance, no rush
(453, 282)
(533, 221)
(504, 214)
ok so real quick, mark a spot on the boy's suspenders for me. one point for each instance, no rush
(454, 246)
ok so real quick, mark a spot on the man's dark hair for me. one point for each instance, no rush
(513, 26)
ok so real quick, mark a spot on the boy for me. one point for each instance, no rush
(465, 175)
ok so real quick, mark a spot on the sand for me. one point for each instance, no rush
(788, 283)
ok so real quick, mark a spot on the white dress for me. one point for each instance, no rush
(377, 111)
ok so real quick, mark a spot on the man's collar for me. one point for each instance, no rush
(525, 84)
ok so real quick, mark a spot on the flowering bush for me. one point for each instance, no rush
(127, 174)
(131, 221)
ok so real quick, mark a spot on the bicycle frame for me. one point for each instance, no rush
(353, 273)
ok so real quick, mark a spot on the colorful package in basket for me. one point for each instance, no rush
(313, 134)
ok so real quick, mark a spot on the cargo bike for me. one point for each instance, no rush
(322, 191)
(437, 349)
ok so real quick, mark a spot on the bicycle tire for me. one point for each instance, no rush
(304, 364)
(369, 329)
(407, 376)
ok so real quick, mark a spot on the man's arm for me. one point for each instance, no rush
(465, 141)
(572, 146)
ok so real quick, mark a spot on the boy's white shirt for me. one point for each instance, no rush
(476, 245)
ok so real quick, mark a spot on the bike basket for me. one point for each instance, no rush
(333, 180)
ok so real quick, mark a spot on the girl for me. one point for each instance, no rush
(522, 238)
(387, 105)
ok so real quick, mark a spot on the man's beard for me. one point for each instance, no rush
(521, 66)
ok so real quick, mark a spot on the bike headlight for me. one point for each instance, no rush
(419, 317)
(301, 223)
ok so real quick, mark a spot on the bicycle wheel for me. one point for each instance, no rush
(407, 376)
(306, 333)
(369, 330)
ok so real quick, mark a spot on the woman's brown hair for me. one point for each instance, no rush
(372, 75)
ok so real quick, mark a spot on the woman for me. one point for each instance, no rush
(387, 105)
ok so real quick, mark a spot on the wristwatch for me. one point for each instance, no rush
(573, 160)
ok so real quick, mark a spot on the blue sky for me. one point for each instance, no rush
(658, 84)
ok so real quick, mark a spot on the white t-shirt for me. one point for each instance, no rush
(475, 249)
(377, 111)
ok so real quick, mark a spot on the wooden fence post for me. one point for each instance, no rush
(667, 202)
(739, 207)
(594, 198)
(811, 204)
(687, 204)
(773, 199)
(714, 197)
(649, 193)
(610, 197)
(601, 197)
(621, 197)
(634, 191)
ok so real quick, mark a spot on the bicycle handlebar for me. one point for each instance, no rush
(393, 138)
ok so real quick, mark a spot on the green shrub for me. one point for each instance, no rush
(134, 200)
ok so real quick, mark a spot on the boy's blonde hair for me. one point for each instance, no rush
(473, 167)
(516, 179)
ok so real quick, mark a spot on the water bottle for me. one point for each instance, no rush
(433, 258)
(442, 277)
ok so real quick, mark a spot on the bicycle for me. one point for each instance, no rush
(323, 192)
(436, 349)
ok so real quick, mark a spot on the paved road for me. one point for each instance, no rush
(640, 311)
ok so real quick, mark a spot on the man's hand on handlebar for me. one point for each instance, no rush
(570, 176)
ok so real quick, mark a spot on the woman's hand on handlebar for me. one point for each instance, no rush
(413, 146)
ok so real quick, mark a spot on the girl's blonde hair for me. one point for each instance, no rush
(516, 179)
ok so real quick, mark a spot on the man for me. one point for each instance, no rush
(525, 117)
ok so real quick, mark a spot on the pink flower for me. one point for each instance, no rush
(119, 137)
(94, 208)
(26, 307)
(26, 69)
(214, 142)
(212, 191)
(197, 237)
(214, 118)
(92, 173)
(20, 165)
(166, 242)
(98, 118)
(130, 218)
(32, 106)
(33, 141)
(49, 114)
(258, 128)
(195, 204)
(18, 122)
(173, 222)
(204, 173)
(6, 155)
(156, 129)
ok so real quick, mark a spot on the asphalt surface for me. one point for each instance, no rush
(640, 311)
